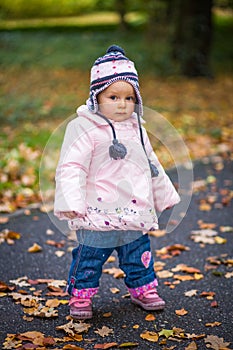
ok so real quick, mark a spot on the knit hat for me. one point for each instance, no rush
(108, 69)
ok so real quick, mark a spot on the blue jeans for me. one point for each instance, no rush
(135, 258)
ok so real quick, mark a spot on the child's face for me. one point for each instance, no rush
(117, 102)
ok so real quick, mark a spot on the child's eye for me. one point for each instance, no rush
(130, 98)
(113, 98)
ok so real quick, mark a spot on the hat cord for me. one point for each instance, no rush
(153, 168)
(118, 150)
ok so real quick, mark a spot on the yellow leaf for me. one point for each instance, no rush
(166, 333)
(150, 336)
(220, 240)
(128, 345)
(205, 207)
(198, 276)
(35, 248)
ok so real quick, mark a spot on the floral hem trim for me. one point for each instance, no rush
(85, 293)
(136, 292)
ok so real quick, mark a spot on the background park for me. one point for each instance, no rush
(183, 53)
(182, 49)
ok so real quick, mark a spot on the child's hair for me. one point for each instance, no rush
(107, 69)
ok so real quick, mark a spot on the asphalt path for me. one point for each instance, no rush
(209, 309)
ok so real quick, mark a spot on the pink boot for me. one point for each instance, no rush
(149, 300)
(80, 308)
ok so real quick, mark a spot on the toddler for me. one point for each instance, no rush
(110, 185)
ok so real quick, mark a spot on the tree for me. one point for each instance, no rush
(193, 36)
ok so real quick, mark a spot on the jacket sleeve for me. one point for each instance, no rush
(72, 170)
(164, 193)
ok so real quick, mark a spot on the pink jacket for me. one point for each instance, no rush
(109, 194)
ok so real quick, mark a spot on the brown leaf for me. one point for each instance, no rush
(191, 346)
(181, 312)
(214, 304)
(116, 272)
(213, 324)
(105, 346)
(104, 331)
(52, 303)
(216, 343)
(3, 219)
(183, 277)
(72, 347)
(72, 327)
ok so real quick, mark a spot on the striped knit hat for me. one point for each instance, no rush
(108, 69)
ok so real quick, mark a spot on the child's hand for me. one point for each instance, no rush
(71, 214)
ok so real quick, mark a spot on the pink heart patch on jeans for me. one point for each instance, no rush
(146, 258)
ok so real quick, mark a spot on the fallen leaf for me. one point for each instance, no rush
(220, 240)
(183, 277)
(116, 272)
(204, 206)
(191, 293)
(214, 304)
(105, 346)
(191, 346)
(207, 294)
(114, 290)
(128, 345)
(150, 336)
(150, 317)
(59, 253)
(3, 219)
(35, 248)
(52, 303)
(111, 259)
(72, 347)
(229, 274)
(226, 228)
(157, 233)
(164, 274)
(71, 327)
(166, 333)
(104, 331)
(181, 312)
(185, 268)
(204, 236)
(213, 324)
(216, 343)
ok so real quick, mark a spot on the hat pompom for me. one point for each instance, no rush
(115, 48)
(117, 150)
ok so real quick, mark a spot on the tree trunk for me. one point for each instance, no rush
(193, 36)
(121, 8)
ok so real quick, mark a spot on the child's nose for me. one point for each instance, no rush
(122, 103)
